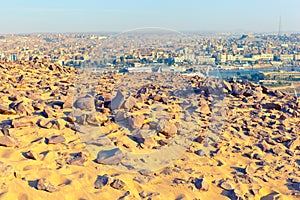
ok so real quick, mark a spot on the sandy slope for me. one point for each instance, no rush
(255, 156)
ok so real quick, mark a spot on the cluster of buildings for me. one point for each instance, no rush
(261, 50)
(66, 49)
(136, 50)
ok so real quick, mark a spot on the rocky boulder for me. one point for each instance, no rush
(167, 128)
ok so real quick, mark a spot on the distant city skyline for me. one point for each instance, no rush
(118, 15)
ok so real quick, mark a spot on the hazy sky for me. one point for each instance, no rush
(18, 16)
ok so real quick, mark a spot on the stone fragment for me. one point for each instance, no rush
(283, 117)
(44, 184)
(271, 196)
(101, 181)
(96, 118)
(22, 109)
(120, 116)
(129, 103)
(141, 98)
(71, 118)
(250, 169)
(31, 95)
(77, 159)
(179, 181)
(236, 90)
(7, 141)
(32, 155)
(68, 103)
(270, 141)
(85, 103)
(143, 90)
(48, 113)
(124, 196)
(204, 108)
(227, 86)
(181, 197)
(117, 101)
(56, 139)
(56, 107)
(226, 185)
(289, 152)
(257, 156)
(201, 184)
(145, 172)
(249, 93)
(278, 93)
(277, 150)
(166, 171)
(263, 146)
(13, 98)
(275, 106)
(38, 105)
(60, 124)
(117, 184)
(293, 144)
(167, 128)
(82, 119)
(148, 195)
(157, 98)
(45, 123)
(5, 130)
(200, 139)
(109, 157)
(6, 111)
(200, 152)
(135, 121)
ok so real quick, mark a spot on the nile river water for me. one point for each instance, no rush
(225, 74)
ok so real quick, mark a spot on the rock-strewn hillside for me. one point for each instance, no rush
(241, 140)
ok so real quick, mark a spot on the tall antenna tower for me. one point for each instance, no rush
(279, 26)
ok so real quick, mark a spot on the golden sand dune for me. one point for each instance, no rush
(210, 139)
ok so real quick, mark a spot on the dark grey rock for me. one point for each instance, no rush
(201, 184)
(117, 101)
(101, 181)
(109, 157)
(85, 103)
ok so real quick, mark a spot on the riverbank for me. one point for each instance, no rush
(237, 72)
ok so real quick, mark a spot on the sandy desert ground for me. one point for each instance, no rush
(240, 140)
